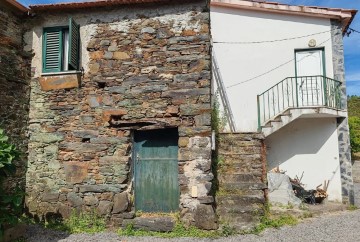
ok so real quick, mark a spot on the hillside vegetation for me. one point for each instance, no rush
(354, 124)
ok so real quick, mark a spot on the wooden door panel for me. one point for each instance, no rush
(156, 171)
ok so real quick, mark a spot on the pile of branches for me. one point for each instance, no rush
(309, 196)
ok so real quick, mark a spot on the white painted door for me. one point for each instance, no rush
(309, 72)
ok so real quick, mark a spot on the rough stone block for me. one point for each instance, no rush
(101, 188)
(75, 172)
(205, 217)
(104, 207)
(74, 200)
(121, 202)
(91, 200)
(160, 224)
(113, 112)
(47, 138)
(50, 197)
(118, 55)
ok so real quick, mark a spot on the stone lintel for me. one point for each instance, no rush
(49, 83)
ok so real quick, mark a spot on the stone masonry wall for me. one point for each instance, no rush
(241, 175)
(145, 68)
(14, 85)
(343, 126)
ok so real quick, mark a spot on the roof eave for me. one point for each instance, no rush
(344, 15)
(90, 4)
(18, 6)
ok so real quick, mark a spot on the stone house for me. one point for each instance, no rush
(111, 103)
(291, 88)
(120, 110)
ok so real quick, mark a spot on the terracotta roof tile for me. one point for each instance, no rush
(17, 5)
(91, 4)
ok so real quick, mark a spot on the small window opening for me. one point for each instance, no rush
(101, 85)
(85, 140)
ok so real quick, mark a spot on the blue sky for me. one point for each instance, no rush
(352, 43)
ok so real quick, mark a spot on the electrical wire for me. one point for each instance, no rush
(269, 71)
(354, 30)
(269, 41)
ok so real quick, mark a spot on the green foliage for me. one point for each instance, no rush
(218, 121)
(354, 125)
(352, 208)
(81, 223)
(179, 231)
(354, 106)
(228, 230)
(268, 222)
(10, 204)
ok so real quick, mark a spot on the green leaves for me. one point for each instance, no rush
(10, 204)
(8, 153)
(354, 125)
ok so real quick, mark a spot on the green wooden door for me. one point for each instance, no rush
(156, 170)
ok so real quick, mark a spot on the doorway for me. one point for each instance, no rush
(310, 74)
(156, 170)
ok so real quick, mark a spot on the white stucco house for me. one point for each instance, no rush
(280, 70)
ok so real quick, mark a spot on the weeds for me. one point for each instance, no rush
(179, 231)
(267, 222)
(352, 207)
(77, 223)
(85, 223)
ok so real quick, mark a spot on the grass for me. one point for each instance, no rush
(179, 231)
(268, 222)
(88, 222)
(352, 208)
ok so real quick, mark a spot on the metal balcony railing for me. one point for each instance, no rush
(298, 92)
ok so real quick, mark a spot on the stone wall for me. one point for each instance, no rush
(14, 84)
(145, 68)
(241, 175)
(342, 123)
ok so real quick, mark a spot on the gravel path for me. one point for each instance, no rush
(339, 227)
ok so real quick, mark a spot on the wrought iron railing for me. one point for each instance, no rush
(298, 92)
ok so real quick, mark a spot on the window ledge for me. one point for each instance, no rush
(61, 73)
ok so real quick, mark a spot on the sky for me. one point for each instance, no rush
(351, 43)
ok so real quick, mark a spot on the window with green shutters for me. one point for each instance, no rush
(61, 48)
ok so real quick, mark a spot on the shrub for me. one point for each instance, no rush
(10, 204)
(354, 125)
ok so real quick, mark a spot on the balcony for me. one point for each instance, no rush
(294, 97)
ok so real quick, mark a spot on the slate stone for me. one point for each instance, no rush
(105, 42)
(160, 224)
(121, 202)
(148, 30)
(91, 200)
(83, 147)
(206, 199)
(50, 197)
(75, 172)
(203, 119)
(205, 217)
(74, 200)
(47, 137)
(93, 102)
(101, 188)
(117, 90)
(163, 33)
(85, 133)
(104, 207)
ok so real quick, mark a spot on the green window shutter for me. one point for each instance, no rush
(74, 37)
(52, 46)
